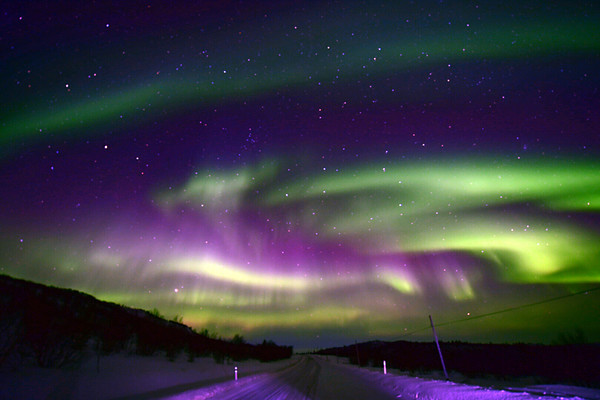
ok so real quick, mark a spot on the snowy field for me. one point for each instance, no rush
(335, 379)
(124, 376)
(434, 387)
(315, 377)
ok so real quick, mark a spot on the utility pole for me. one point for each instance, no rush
(438, 347)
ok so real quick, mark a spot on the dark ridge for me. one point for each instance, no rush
(55, 327)
(573, 364)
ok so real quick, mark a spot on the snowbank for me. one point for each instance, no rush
(123, 376)
(408, 387)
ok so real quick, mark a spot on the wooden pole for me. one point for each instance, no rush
(357, 356)
(437, 343)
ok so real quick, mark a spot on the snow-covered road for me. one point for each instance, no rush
(317, 378)
(310, 378)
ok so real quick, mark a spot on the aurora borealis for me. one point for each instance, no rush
(311, 173)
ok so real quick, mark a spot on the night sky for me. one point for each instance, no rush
(313, 173)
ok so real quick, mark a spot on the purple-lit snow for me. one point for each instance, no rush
(313, 377)
(326, 378)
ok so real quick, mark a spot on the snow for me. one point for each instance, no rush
(564, 390)
(122, 375)
(408, 387)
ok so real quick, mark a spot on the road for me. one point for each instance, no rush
(316, 378)
(310, 378)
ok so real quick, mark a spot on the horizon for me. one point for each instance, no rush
(310, 174)
(570, 338)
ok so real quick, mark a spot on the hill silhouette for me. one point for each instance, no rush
(55, 327)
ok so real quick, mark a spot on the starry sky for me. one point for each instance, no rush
(312, 173)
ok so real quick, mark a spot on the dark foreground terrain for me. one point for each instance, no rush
(577, 364)
(330, 378)
(54, 327)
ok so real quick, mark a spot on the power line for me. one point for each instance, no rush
(470, 318)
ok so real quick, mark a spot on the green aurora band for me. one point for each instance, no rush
(446, 224)
(358, 251)
(227, 81)
(511, 215)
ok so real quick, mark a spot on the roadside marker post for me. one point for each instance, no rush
(235, 373)
(384, 368)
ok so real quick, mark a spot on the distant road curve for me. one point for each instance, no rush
(310, 378)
